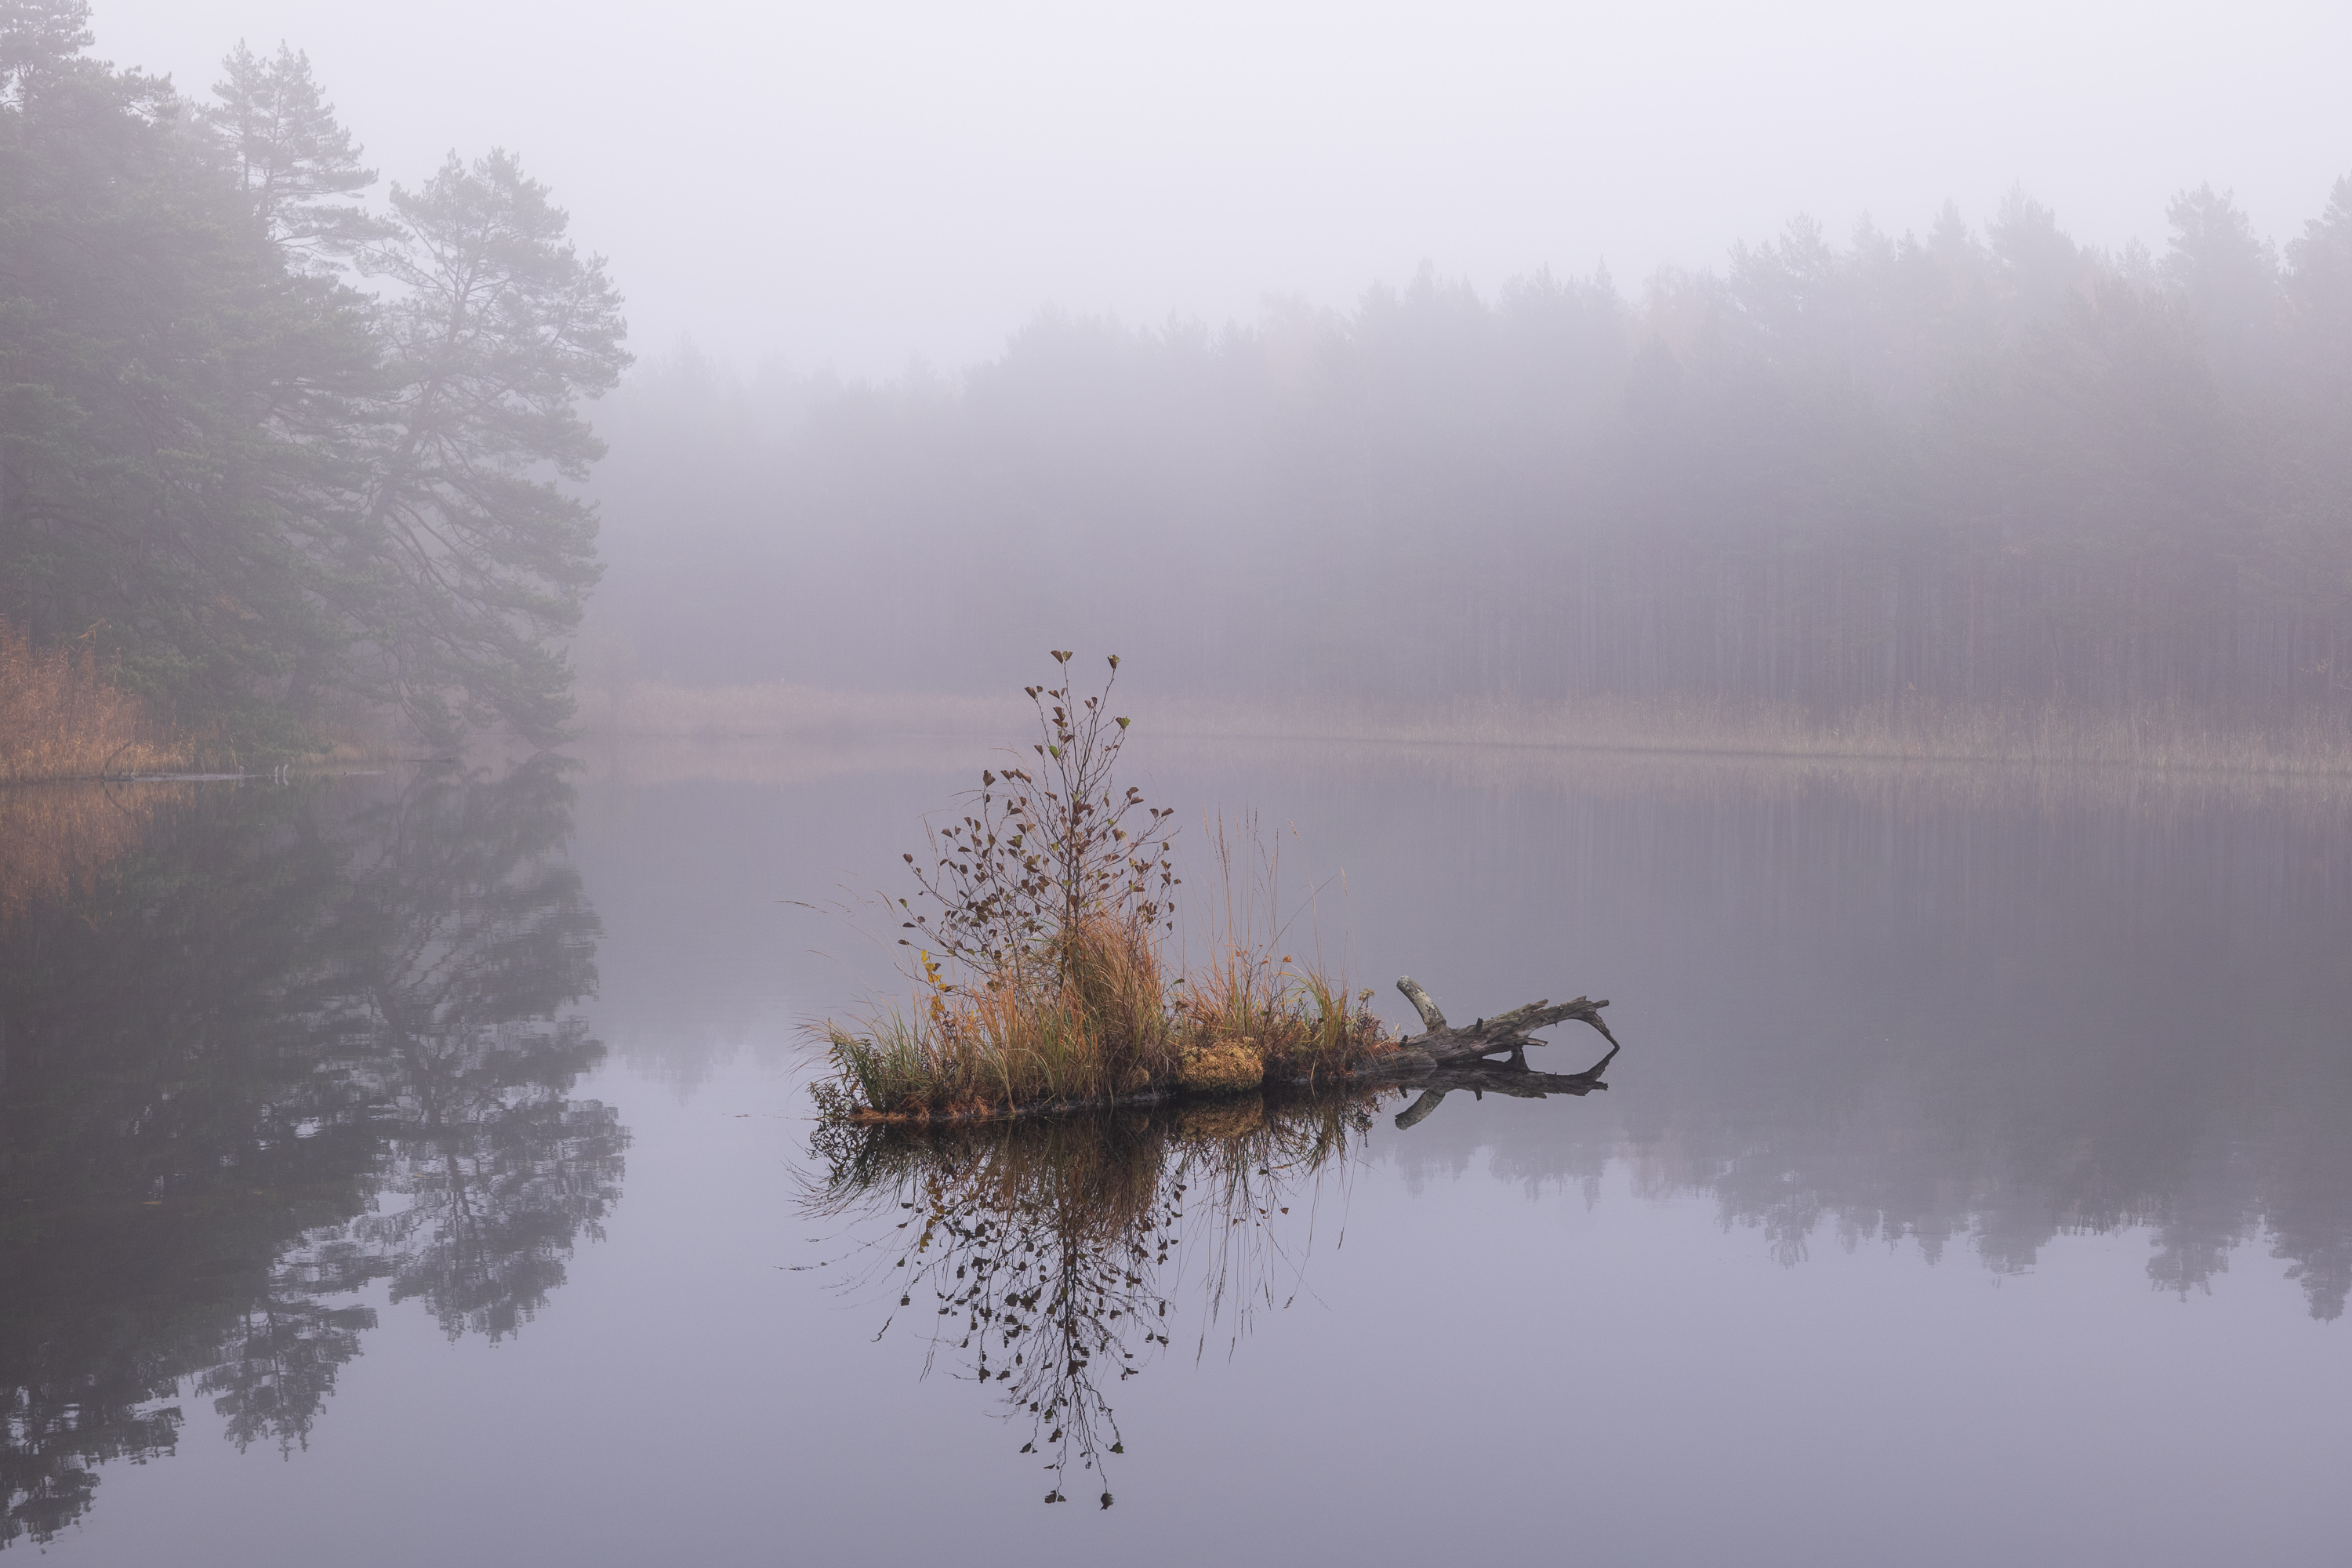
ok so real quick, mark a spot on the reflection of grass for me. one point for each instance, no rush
(62, 718)
(1048, 1254)
(55, 838)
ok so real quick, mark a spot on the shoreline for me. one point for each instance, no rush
(2154, 740)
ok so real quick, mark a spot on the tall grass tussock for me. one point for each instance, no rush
(62, 716)
(1040, 928)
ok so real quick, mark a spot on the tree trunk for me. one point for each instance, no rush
(1449, 1058)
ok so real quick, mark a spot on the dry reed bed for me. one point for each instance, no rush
(1769, 777)
(2155, 737)
(63, 717)
(642, 761)
(650, 710)
(2158, 738)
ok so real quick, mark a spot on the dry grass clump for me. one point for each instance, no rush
(62, 717)
(1110, 1024)
(1040, 974)
(1086, 1025)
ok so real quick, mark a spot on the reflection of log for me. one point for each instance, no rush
(1449, 1058)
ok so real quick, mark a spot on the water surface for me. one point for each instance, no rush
(418, 1166)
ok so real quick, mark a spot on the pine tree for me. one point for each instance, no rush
(2226, 276)
(169, 392)
(477, 562)
(291, 155)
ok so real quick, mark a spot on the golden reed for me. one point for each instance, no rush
(2156, 736)
(61, 716)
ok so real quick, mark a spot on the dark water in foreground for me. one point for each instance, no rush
(417, 1168)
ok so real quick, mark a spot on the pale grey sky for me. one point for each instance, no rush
(863, 183)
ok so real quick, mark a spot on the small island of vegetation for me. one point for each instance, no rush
(1041, 929)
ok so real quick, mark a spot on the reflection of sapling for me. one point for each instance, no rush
(1046, 1255)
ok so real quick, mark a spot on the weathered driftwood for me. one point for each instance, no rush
(1449, 1058)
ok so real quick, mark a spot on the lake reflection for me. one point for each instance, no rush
(1059, 1240)
(1975, 1182)
(1976, 1006)
(1057, 1243)
(281, 1045)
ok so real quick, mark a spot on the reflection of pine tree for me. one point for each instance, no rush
(51, 1445)
(165, 1132)
(481, 935)
(329, 1010)
(282, 1359)
(500, 1174)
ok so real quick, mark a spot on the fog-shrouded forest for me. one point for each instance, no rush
(297, 451)
(1984, 464)
(285, 457)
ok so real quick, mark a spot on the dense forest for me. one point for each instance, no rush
(1981, 465)
(293, 462)
(287, 459)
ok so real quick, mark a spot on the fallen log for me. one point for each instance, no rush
(1449, 1058)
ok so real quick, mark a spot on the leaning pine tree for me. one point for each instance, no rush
(270, 493)
(472, 562)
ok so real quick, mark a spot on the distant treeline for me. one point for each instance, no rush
(278, 497)
(1981, 465)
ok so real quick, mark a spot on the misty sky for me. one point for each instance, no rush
(866, 184)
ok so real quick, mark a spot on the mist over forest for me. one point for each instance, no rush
(296, 451)
(288, 461)
(1813, 542)
(1980, 464)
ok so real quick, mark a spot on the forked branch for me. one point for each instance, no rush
(1451, 1058)
(1509, 1031)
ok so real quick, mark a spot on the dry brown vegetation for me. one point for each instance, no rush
(1112, 1023)
(2161, 737)
(651, 711)
(63, 716)
(1039, 927)
(2157, 736)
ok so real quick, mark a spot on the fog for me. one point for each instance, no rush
(857, 187)
(1376, 358)
(1981, 465)
(1833, 528)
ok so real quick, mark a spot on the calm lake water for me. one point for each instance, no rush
(418, 1168)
